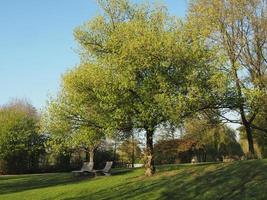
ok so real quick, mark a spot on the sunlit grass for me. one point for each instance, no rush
(239, 180)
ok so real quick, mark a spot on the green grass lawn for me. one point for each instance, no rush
(239, 180)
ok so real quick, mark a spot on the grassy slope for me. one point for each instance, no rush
(240, 180)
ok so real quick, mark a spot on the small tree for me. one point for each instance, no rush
(20, 143)
(73, 119)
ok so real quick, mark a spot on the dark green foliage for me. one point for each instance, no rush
(101, 157)
(219, 140)
(129, 151)
(179, 151)
(261, 136)
(20, 143)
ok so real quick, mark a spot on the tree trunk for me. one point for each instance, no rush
(244, 120)
(248, 129)
(149, 160)
(91, 155)
(114, 153)
(133, 158)
(250, 141)
(86, 155)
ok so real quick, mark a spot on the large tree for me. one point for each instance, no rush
(238, 30)
(145, 67)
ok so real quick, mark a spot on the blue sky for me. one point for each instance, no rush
(37, 44)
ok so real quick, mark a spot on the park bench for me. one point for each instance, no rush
(105, 170)
(86, 168)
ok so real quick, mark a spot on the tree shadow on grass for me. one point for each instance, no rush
(17, 183)
(121, 171)
(135, 187)
(239, 180)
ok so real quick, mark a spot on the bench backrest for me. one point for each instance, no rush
(108, 166)
(87, 166)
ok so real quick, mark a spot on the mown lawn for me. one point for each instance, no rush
(239, 180)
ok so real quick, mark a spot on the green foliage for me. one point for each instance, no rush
(260, 136)
(102, 156)
(20, 143)
(144, 64)
(219, 140)
(168, 131)
(139, 67)
(129, 151)
(236, 30)
(72, 120)
(175, 151)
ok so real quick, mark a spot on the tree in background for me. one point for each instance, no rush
(129, 151)
(73, 119)
(219, 140)
(260, 137)
(168, 131)
(181, 150)
(20, 143)
(237, 31)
